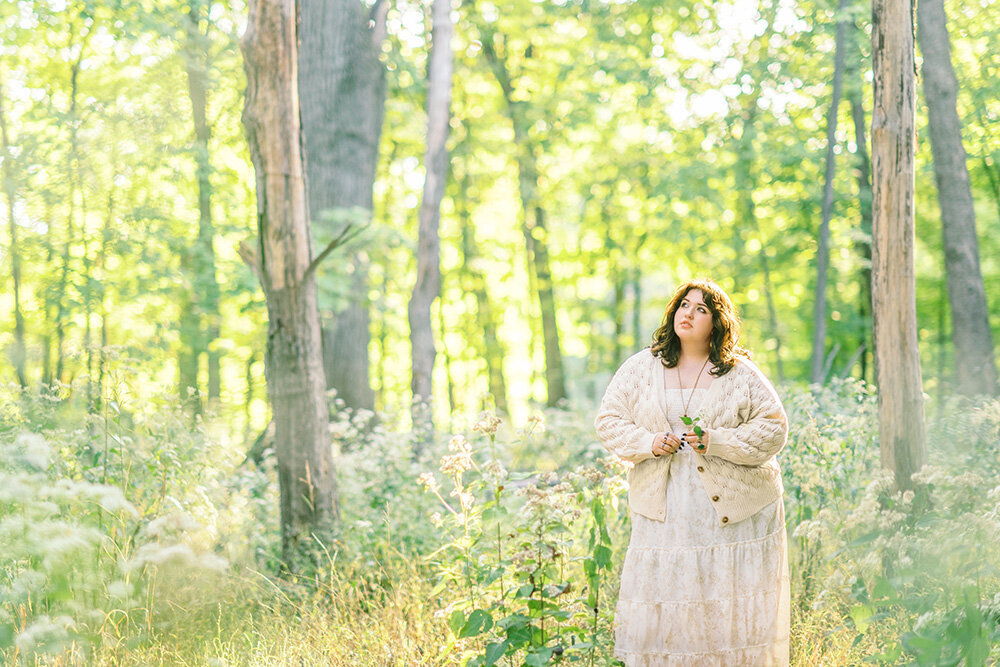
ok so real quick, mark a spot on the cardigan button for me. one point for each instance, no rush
(715, 499)
(701, 468)
(725, 519)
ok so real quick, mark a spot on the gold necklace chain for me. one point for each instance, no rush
(680, 384)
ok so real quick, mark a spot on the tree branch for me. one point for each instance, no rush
(348, 233)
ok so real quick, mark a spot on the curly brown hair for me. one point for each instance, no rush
(724, 346)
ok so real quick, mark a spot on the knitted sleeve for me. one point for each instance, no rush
(616, 419)
(761, 435)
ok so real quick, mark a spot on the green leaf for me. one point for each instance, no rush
(861, 615)
(456, 621)
(479, 622)
(539, 657)
(495, 651)
(602, 556)
(687, 420)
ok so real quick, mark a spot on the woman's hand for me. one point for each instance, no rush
(698, 442)
(665, 444)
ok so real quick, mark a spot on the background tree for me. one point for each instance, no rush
(897, 358)
(286, 268)
(428, 283)
(342, 92)
(975, 366)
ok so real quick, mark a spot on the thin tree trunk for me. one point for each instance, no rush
(970, 328)
(428, 284)
(19, 351)
(206, 286)
(284, 263)
(853, 91)
(533, 224)
(488, 343)
(897, 356)
(342, 92)
(823, 240)
(746, 184)
(449, 375)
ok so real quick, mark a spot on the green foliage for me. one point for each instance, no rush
(519, 547)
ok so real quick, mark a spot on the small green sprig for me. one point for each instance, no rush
(698, 430)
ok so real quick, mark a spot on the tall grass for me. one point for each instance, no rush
(132, 540)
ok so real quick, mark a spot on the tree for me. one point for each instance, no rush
(897, 358)
(819, 371)
(975, 367)
(18, 352)
(286, 269)
(200, 322)
(428, 283)
(532, 210)
(342, 93)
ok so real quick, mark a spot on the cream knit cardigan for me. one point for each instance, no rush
(746, 427)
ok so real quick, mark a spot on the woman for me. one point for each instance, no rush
(705, 579)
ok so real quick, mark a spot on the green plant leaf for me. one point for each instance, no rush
(539, 657)
(602, 556)
(495, 651)
(861, 615)
(479, 622)
(456, 621)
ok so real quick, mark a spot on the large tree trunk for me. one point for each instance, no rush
(817, 376)
(206, 286)
(897, 356)
(285, 266)
(18, 352)
(428, 283)
(342, 92)
(970, 327)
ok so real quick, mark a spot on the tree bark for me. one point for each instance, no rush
(285, 265)
(897, 357)
(18, 353)
(428, 284)
(970, 328)
(342, 93)
(817, 376)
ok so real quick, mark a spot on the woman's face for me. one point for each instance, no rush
(693, 319)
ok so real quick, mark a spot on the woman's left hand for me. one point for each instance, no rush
(696, 442)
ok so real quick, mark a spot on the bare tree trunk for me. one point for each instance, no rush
(342, 92)
(823, 240)
(428, 284)
(897, 356)
(970, 327)
(746, 184)
(488, 343)
(286, 269)
(853, 91)
(533, 224)
(19, 351)
(206, 286)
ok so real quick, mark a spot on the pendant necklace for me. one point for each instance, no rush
(680, 384)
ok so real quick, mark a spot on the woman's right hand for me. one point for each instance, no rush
(665, 444)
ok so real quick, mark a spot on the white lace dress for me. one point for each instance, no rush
(695, 592)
